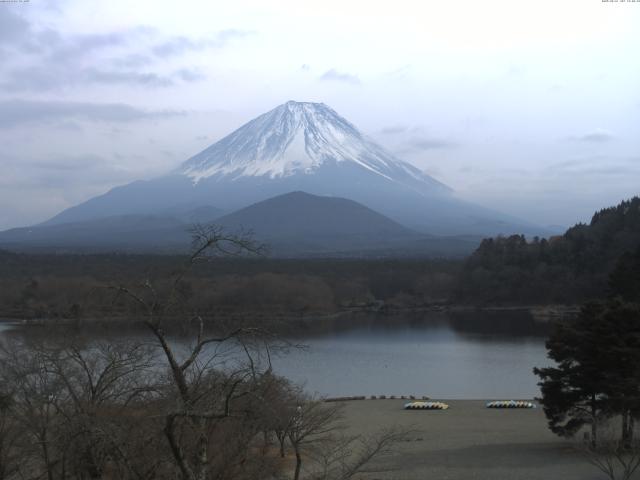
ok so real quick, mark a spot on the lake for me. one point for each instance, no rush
(465, 356)
(472, 355)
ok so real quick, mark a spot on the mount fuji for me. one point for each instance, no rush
(298, 147)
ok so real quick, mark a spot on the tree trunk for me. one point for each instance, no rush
(282, 438)
(265, 442)
(45, 454)
(594, 423)
(91, 467)
(203, 448)
(176, 450)
(296, 475)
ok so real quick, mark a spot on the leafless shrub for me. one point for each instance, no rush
(618, 459)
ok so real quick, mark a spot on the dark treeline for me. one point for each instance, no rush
(564, 269)
(594, 381)
(73, 408)
(65, 286)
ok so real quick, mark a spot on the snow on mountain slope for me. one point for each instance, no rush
(307, 147)
(299, 138)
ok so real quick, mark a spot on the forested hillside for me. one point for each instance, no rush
(61, 286)
(564, 269)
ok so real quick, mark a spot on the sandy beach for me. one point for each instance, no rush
(469, 441)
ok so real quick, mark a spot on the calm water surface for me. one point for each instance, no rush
(457, 358)
(461, 356)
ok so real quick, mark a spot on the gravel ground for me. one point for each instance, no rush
(470, 442)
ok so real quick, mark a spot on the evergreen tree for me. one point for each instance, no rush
(620, 336)
(598, 369)
(625, 278)
(573, 392)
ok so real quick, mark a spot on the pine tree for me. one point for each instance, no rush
(574, 392)
(598, 369)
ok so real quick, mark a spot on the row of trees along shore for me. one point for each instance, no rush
(596, 379)
(568, 269)
(205, 405)
(565, 269)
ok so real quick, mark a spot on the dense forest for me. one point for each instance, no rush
(564, 269)
(511, 270)
(70, 286)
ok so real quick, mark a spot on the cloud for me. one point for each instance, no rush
(336, 76)
(44, 78)
(54, 46)
(190, 75)
(394, 129)
(56, 62)
(12, 26)
(420, 144)
(17, 112)
(69, 50)
(93, 75)
(597, 136)
(598, 165)
(42, 59)
(68, 163)
(61, 172)
(514, 70)
(398, 73)
(133, 60)
(181, 44)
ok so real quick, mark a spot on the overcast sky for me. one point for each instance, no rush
(531, 108)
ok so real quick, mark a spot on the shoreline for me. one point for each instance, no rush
(468, 441)
(540, 313)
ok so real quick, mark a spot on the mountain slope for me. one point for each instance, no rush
(301, 138)
(119, 233)
(300, 224)
(302, 147)
(296, 224)
(299, 214)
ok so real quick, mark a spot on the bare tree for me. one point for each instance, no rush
(70, 401)
(201, 392)
(617, 458)
(102, 381)
(193, 407)
(312, 422)
(9, 437)
(36, 396)
(342, 457)
(316, 433)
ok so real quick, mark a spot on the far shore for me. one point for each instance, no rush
(540, 313)
(468, 441)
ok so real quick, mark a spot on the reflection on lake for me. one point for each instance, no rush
(442, 356)
(470, 355)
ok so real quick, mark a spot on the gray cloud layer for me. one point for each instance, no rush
(47, 59)
(598, 166)
(596, 136)
(180, 44)
(17, 112)
(394, 129)
(334, 75)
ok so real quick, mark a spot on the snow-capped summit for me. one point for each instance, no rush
(298, 147)
(299, 138)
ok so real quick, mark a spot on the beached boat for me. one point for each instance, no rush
(511, 404)
(426, 406)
